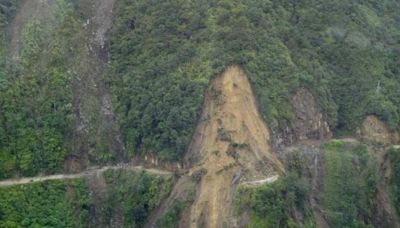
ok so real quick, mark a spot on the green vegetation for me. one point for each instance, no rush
(160, 73)
(37, 93)
(284, 203)
(172, 217)
(349, 185)
(273, 205)
(180, 205)
(394, 158)
(347, 196)
(173, 214)
(70, 203)
(165, 52)
(134, 195)
(7, 11)
(45, 205)
(36, 116)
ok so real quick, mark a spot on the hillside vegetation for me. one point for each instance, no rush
(45, 204)
(36, 112)
(164, 53)
(347, 197)
(394, 157)
(129, 198)
(91, 83)
(350, 184)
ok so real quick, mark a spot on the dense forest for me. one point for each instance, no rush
(36, 96)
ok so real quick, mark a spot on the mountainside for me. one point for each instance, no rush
(268, 113)
(230, 144)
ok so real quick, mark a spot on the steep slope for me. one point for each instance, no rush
(56, 108)
(113, 198)
(95, 131)
(316, 68)
(41, 10)
(308, 121)
(374, 130)
(344, 53)
(230, 143)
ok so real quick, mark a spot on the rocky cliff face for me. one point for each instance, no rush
(374, 130)
(307, 122)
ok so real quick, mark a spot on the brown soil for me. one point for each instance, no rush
(374, 130)
(230, 142)
(72, 164)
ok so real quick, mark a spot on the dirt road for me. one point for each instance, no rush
(268, 180)
(90, 171)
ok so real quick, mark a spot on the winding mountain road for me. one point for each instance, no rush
(88, 172)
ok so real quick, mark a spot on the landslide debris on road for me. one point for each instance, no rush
(230, 145)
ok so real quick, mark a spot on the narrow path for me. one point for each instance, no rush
(348, 140)
(93, 170)
(268, 180)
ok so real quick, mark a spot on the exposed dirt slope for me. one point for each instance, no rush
(375, 130)
(308, 121)
(230, 143)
